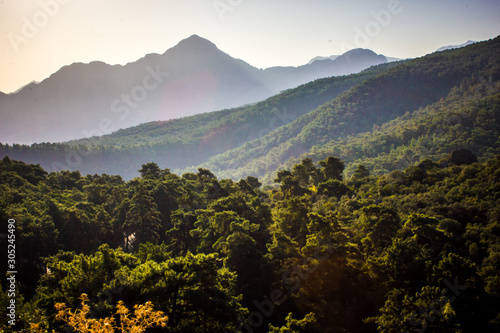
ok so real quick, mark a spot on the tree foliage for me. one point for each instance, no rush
(402, 251)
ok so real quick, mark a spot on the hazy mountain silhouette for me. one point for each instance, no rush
(332, 57)
(350, 62)
(82, 100)
(450, 47)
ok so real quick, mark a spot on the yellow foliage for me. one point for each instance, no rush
(144, 317)
(36, 328)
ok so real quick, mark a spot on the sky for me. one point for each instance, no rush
(38, 37)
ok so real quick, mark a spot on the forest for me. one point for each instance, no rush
(318, 250)
(361, 203)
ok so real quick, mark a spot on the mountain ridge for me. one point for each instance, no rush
(451, 47)
(195, 77)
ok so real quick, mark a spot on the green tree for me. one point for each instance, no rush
(290, 217)
(179, 237)
(332, 168)
(428, 309)
(143, 218)
(293, 325)
(153, 171)
(333, 188)
(253, 182)
(196, 292)
(379, 224)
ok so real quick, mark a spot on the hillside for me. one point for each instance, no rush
(351, 122)
(430, 132)
(180, 143)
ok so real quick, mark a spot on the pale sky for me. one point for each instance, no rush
(38, 37)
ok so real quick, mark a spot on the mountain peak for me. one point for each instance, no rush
(31, 84)
(361, 55)
(195, 43)
(195, 37)
(359, 50)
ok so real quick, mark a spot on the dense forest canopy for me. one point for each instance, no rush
(412, 250)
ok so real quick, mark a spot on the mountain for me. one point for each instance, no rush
(32, 83)
(83, 100)
(450, 47)
(95, 98)
(392, 59)
(333, 57)
(352, 61)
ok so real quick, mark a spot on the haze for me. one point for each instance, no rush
(40, 36)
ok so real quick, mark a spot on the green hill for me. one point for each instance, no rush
(179, 143)
(420, 108)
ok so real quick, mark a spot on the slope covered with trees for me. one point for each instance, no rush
(411, 250)
(188, 141)
(437, 102)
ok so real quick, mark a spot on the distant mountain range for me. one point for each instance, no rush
(450, 47)
(333, 57)
(387, 117)
(82, 100)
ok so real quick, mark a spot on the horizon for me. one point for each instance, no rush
(42, 36)
(193, 35)
(309, 61)
(197, 35)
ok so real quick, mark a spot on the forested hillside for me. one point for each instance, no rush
(410, 251)
(468, 117)
(180, 143)
(421, 108)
